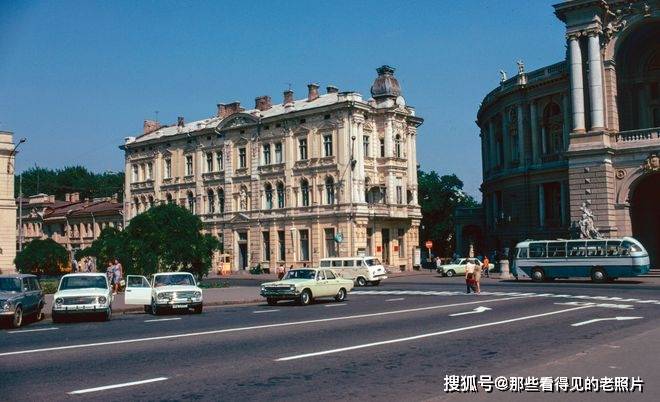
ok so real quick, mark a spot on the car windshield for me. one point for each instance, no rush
(174, 280)
(82, 282)
(371, 262)
(301, 274)
(10, 285)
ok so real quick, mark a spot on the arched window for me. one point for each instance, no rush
(552, 129)
(191, 202)
(268, 192)
(168, 198)
(329, 191)
(151, 201)
(221, 200)
(397, 147)
(136, 202)
(304, 193)
(210, 202)
(280, 195)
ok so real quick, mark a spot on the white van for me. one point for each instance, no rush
(362, 270)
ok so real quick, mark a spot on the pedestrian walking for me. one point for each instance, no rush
(486, 264)
(470, 283)
(119, 275)
(469, 275)
(477, 277)
(438, 262)
(110, 273)
(74, 265)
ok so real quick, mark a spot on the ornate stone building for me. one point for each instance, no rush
(585, 130)
(7, 204)
(328, 175)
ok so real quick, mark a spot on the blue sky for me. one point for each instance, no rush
(76, 77)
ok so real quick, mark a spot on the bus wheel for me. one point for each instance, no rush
(538, 275)
(598, 275)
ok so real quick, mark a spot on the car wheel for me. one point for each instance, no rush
(198, 309)
(538, 275)
(17, 320)
(147, 309)
(39, 314)
(305, 297)
(271, 301)
(56, 317)
(341, 295)
(450, 273)
(598, 275)
(361, 282)
(106, 315)
(154, 308)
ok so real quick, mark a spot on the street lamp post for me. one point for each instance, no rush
(20, 196)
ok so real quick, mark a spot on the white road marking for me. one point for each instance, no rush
(32, 330)
(422, 336)
(606, 305)
(396, 299)
(336, 305)
(126, 384)
(265, 311)
(579, 324)
(163, 319)
(240, 329)
(477, 310)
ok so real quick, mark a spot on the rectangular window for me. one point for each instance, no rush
(365, 146)
(557, 250)
(242, 158)
(302, 146)
(327, 145)
(209, 162)
(382, 147)
(266, 243)
(219, 161)
(266, 154)
(304, 245)
(189, 165)
(150, 171)
(537, 250)
(281, 245)
(402, 247)
(278, 153)
(399, 195)
(330, 244)
(135, 176)
(168, 168)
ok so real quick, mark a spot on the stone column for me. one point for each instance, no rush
(534, 126)
(388, 138)
(358, 151)
(596, 82)
(506, 139)
(412, 163)
(577, 88)
(566, 128)
(493, 146)
(521, 137)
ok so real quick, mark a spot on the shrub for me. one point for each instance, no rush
(42, 257)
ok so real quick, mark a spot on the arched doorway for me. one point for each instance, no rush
(645, 215)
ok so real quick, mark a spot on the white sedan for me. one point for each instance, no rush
(166, 291)
(458, 267)
(84, 293)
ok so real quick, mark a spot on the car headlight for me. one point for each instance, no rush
(165, 295)
(263, 288)
(5, 305)
(198, 295)
(292, 287)
(59, 300)
(102, 299)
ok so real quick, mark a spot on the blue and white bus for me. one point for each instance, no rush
(602, 260)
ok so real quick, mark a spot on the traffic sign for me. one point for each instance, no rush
(429, 244)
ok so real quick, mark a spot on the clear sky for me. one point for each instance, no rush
(76, 77)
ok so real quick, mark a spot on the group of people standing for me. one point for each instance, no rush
(473, 275)
(86, 265)
(115, 274)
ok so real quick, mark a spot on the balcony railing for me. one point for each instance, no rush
(644, 134)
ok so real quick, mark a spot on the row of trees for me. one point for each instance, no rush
(164, 238)
(70, 180)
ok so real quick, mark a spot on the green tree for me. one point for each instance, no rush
(70, 180)
(439, 196)
(42, 257)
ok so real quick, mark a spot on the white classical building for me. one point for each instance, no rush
(329, 175)
(7, 203)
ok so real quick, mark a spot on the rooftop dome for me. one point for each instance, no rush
(385, 84)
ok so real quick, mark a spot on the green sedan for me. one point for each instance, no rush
(306, 284)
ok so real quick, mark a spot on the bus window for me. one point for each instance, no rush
(557, 249)
(575, 249)
(348, 263)
(596, 249)
(522, 252)
(336, 263)
(613, 248)
(537, 250)
(628, 247)
(325, 264)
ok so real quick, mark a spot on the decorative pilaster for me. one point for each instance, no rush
(521, 137)
(535, 131)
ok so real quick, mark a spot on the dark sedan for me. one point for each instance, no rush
(20, 296)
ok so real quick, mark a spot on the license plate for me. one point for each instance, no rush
(179, 306)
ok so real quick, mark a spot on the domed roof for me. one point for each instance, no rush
(385, 84)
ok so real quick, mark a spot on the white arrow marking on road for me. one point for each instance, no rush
(578, 324)
(477, 310)
(126, 384)
(606, 305)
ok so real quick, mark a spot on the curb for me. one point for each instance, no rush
(128, 310)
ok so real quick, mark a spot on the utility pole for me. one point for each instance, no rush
(20, 195)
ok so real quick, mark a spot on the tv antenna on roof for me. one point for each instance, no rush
(289, 84)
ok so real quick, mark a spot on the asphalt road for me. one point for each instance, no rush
(392, 342)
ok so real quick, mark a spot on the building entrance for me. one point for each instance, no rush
(645, 216)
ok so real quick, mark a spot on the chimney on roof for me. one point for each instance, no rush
(180, 122)
(312, 92)
(150, 126)
(288, 97)
(227, 109)
(262, 103)
(331, 89)
(74, 197)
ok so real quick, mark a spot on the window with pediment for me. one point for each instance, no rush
(552, 129)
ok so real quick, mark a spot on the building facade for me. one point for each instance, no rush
(73, 223)
(328, 175)
(581, 135)
(7, 204)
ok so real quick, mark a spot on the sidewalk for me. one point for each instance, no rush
(212, 297)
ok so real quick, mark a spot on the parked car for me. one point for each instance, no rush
(166, 291)
(458, 267)
(307, 284)
(362, 270)
(83, 293)
(20, 296)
